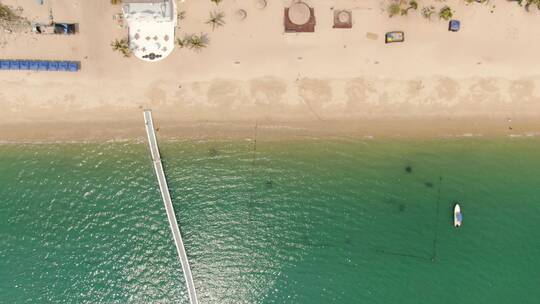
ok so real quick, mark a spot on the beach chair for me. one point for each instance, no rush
(43, 66)
(4, 65)
(24, 65)
(73, 66)
(14, 65)
(34, 66)
(53, 66)
(63, 66)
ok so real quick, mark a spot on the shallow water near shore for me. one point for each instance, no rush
(306, 221)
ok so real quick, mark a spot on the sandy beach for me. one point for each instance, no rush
(482, 80)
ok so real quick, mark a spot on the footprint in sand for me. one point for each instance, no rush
(512, 33)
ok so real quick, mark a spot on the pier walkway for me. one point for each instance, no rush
(158, 166)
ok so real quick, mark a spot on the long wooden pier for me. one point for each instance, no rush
(158, 166)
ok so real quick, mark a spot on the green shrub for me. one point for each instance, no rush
(528, 3)
(394, 9)
(446, 13)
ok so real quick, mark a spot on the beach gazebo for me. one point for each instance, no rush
(299, 17)
(151, 27)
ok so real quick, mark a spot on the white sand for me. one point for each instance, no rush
(253, 71)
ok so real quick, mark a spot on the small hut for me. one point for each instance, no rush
(299, 18)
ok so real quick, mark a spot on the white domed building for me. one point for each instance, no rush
(151, 27)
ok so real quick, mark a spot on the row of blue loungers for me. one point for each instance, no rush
(40, 65)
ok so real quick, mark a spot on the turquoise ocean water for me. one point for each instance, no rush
(305, 221)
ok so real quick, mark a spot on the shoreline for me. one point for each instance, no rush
(362, 128)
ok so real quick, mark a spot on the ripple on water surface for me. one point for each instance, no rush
(290, 222)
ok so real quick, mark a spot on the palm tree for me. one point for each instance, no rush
(121, 46)
(8, 15)
(412, 5)
(182, 15)
(216, 19)
(446, 13)
(428, 11)
(528, 3)
(197, 42)
(182, 43)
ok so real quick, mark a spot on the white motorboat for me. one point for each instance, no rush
(458, 218)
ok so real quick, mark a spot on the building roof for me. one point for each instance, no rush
(152, 25)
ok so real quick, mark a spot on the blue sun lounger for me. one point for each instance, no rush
(4, 65)
(63, 66)
(43, 65)
(14, 65)
(24, 65)
(73, 66)
(39, 65)
(53, 66)
(33, 65)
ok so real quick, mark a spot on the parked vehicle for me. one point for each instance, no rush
(56, 28)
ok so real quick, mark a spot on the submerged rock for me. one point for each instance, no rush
(213, 152)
